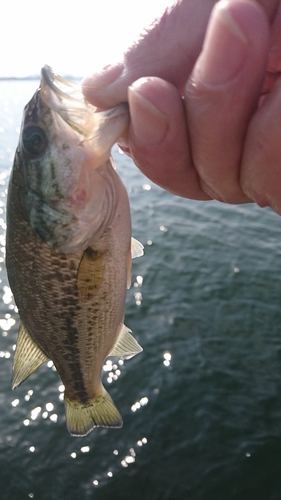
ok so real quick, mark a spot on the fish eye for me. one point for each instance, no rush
(34, 140)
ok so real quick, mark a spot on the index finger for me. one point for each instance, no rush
(168, 50)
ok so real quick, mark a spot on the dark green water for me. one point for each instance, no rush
(202, 403)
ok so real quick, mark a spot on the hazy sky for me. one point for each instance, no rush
(73, 37)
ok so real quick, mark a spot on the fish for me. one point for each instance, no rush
(69, 247)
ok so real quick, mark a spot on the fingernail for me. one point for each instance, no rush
(225, 49)
(149, 125)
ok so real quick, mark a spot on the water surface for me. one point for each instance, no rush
(202, 404)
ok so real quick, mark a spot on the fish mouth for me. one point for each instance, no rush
(63, 88)
(65, 98)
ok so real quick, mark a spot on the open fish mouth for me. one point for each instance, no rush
(65, 98)
(64, 88)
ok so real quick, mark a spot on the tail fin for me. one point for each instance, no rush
(81, 418)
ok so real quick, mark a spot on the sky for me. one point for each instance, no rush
(74, 37)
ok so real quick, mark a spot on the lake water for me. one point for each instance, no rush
(202, 404)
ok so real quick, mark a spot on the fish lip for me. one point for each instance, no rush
(49, 78)
(64, 98)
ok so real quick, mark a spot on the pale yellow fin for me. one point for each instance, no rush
(28, 357)
(81, 418)
(90, 273)
(126, 345)
(136, 248)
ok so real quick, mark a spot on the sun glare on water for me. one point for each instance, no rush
(72, 40)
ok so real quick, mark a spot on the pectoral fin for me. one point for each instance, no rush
(136, 251)
(126, 345)
(136, 248)
(81, 418)
(28, 357)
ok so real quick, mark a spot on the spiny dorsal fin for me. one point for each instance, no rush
(28, 357)
(126, 345)
(136, 248)
(81, 418)
(90, 273)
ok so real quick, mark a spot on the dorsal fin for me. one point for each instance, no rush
(28, 357)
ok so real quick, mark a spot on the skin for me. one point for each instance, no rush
(223, 140)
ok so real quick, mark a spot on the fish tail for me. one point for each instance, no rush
(81, 418)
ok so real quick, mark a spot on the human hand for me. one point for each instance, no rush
(218, 142)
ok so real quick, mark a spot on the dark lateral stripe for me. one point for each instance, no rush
(71, 356)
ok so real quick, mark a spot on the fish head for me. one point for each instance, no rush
(65, 143)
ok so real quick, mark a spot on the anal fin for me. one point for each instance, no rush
(28, 357)
(81, 418)
(126, 345)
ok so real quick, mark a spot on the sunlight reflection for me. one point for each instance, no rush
(8, 296)
(113, 370)
(167, 358)
(35, 412)
(129, 459)
(138, 404)
(6, 324)
(138, 298)
(138, 282)
(85, 449)
(28, 395)
(5, 354)
(61, 389)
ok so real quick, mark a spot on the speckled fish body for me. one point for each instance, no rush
(68, 250)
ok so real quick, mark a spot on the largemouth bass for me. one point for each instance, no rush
(69, 248)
